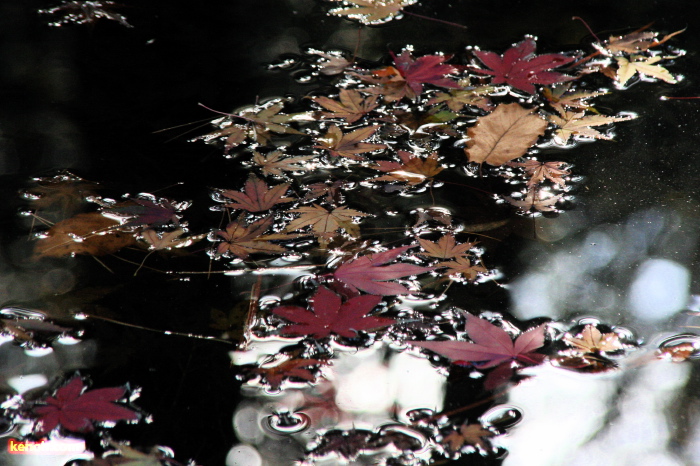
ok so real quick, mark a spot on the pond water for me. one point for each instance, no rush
(584, 311)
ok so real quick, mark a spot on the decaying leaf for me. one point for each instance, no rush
(561, 97)
(503, 135)
(579, 124)
(412, 170)
(351, 107)
(372, 11)
(331, 316)
(276, 163)
(521, 68)
(538, 171)
(88, 233)
(638, 64)
(635, 42)
(349, 145)
(257, 196)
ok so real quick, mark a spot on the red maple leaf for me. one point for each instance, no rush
(369, 273)
(429, 69)
(74, 410)
(331, 316)
(146, 212)
(492, 345)
(521, 68)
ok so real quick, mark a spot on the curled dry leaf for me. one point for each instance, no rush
(503, 135)
(88, 233)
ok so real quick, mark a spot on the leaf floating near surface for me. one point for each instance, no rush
(503, 135)
(351, 107)
(579, 124)
(349, 145)
(241, 239)
(638, 64)
(412, 170)
(257, 196)
(372, 11)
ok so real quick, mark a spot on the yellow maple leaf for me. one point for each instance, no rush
(642, 65)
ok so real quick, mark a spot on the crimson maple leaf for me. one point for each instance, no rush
(257, 196)
(146, 212)
(521, 68)
(492, 345)
(74, 410)
(429, 69)
(331, 316)
(369, 273)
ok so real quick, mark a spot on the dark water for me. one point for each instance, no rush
(93, 99)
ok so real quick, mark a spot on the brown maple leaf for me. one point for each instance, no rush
(634, 42)
(275, 163)
(168, 240)
(372, 11)
(330, 189)
(330, 63)
(291, 368)
(349, 145)
(638, 64)
(678, 352)
(445, 248)
(462, 267)
(412, 170)
(538, 171)
(457, 99)
(580, 124)
(536, 199)
(324, 222)
(468, 434)
(560, 97)
(351, 107)
(242, 240)
(591, 340)
(257, 196)
(503, 135)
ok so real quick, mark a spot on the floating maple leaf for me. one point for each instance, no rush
(241, 239)
(275, 163)
(348, 145)
(463, 266)
(330, 316)
(538, 171)
(456, 100)
(521, 68)
(445, 248)
(469, 434)
(257, 196)
(369, 273)
(172, 239)
(412, 170)
(634, 42)
(352, 105)
(492, 345)
(580, 124)
(591, 340)
(503, 135)
(324, 222)
(561, 97)
(536, 199)
(291, 368)
(145, 212)
(372, 11)
(330, 63)
(74, 410)
(638, 64)
(408, 75)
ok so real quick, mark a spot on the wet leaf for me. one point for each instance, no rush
(456, 100)
(330, 63)
(64, 192)
(130, 457)
(445, 248)
(241, 239)
(412, 170)
(503, 135)
(330, 316)
(635, 42)
(145, 212)
(275, 163)
(677, 353)
(521, 68)
(492, 345)
(591, 340)
(324, 222)
(468, 434)
(538, 171)
(372, 11)
(463, 266)
(349, 145)
(291, 368)
(351, 107)
(74, 410)
(638, 64)
(370, 273)
(89, 233)
(171, 239)
(257, 196)
(536, 199)
(580, 124)
(561, 98)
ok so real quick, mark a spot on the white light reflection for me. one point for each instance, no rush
(25, 383)
(243, 455)
(660, 289)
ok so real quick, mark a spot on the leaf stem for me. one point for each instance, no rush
(449, 23)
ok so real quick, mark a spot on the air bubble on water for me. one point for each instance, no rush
(502, 417)
(688, 339)
(287, 423)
